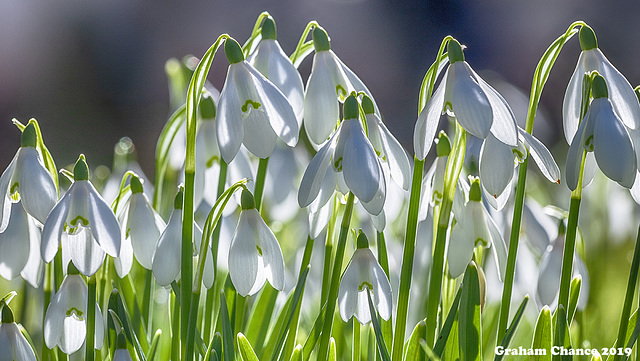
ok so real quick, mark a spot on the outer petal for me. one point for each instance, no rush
(460, 250)
(5, 201)
(243, 256)
(549, 277)
(321, 110)
(360, 165)
(395, 155)
(635, 190)
(229, 118)
(381, 288)
(428, 120)
(375, 206)
(348, 290)
(496, 165)
(54, 318)
(319, 220)
(613, 148)
(573, 97)
(541, 156)
(271, 252)
(143, 227)
(470, 104)
(574, 155)
(53, 228)
(73, 335)
(14, 344)
(167, 260)
(33, 271)
(314, 175)
(124, 262)
(504, 122)
(84, 251)
(37, 189)
(499, 246)
(103, 223)
(14, 244)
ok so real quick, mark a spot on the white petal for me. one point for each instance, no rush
(37, 189)
(167, 258)
(315, 173)
(14, 244)
(574, 155)
(428, 120)
(348, 291)
(573, 98)
(375, 206)
(624, 99)
(207, 277)
(103, 223)
(243, 256)
(581, 269)
(122, 355)
(460, 250)
(319, 220)
(53, 228)
(496, 165)
(613, 148)
(271, 252)
(321, 110)
(499, 246)
(33, 271)
(73, 335)
(542, 157)
(469, 102)
(353, 82)
(85, 252)
(396, 158)
(360, 165)
(504, 122)
(499, 203)
(381, 289)
(363, 315)
(143, 227)
(635, 190)
(125, 261)
(229, 118)
(14, 345)
(5, 201)
(54, 318)
(549, 277)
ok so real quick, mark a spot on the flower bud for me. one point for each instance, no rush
(29, 137)
(269, 29)
(454, 50)
(320, 39)
(233, 51)
(81, 169)
(588, 39)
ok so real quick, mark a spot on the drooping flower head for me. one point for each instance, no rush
(330, 82)
(479, 108)
(347, 161)
(603, 133)
(252, 110)
(84, 223)
(621, 95)
(27, 179)
(269, 59)
(13, 344)
(364, 274)
(254, 255)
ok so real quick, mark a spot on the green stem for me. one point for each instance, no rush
(383, 259)
(91, 320)
(48, 290)
(355, 355)
(335, 280)
(328, 251)
(628, 298)
(407, 261)
(569, 247)
(452, 173)
(175, 328)
(147, 300)
(260, 178)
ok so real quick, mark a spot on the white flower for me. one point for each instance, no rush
(474, 226)
(27, 179)
(13, 345)
(252, 110)
(65, 323)
(478, 107)
(89, 224)
(167, 260)
(254, 254)
(602, 132)
(330, 81)
(351, 156)
(19, 244)
(269, 59)
(364, 274)
(122, 354)
(624, 101)
(141, 227)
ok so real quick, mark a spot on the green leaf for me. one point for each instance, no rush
(514, 325)
(260, 317)
(167, 135)
(448, 325)
(414, 350)
(382, 347)
(125, 320)
(296, 355)
(246, 351)
(574, 294)
(314, 334)
(469, 330)
(153, 350)
(561, 334)
(430, 354)
(332, 350)
(542, 338)
(452, 348)
(227, 330)
(303, 48)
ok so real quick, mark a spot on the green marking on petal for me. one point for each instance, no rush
(365, 284)
(212, 160)
(480, 241)
(341, 92)
(259, 250)
(337, 164)
(245, 106)
(14, 188)
(588, 144)
(78, 313)
(74, 222)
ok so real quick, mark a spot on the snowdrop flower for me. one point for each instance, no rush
(347, 159)
(17, 244)
(603, 133)
(479, 108)
(474, 227)
(255, 255)
(622, 97)
(125, 159)
(252, 110)
(65, 323)
(330, 81)
(84, 223)
(13, 344)
(141, 228)
(167, 259)
(27, 179)
(363, 275)
(269, 59)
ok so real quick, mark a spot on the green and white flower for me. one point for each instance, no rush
(84, 223)
(13, 345)
(252, 110)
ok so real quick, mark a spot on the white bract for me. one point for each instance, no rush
(330, 81)
(363, 275)
(84, 223)
(623, 99)
(254, 255)
(252, 110)
(477, 107)
(13, 345)
(603, 133)
(269, 59)
(347, 159)
(27, 179)
(65, 323)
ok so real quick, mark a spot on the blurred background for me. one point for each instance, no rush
(93, 72)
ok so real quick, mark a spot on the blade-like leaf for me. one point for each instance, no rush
(382, 348)
(246, 351)
(447, 326)
(574, 294)
(153, 350)
(227, 330)
(413, 346)
(542, 338)
(469, 328)
(512, 328)
(561, 334)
